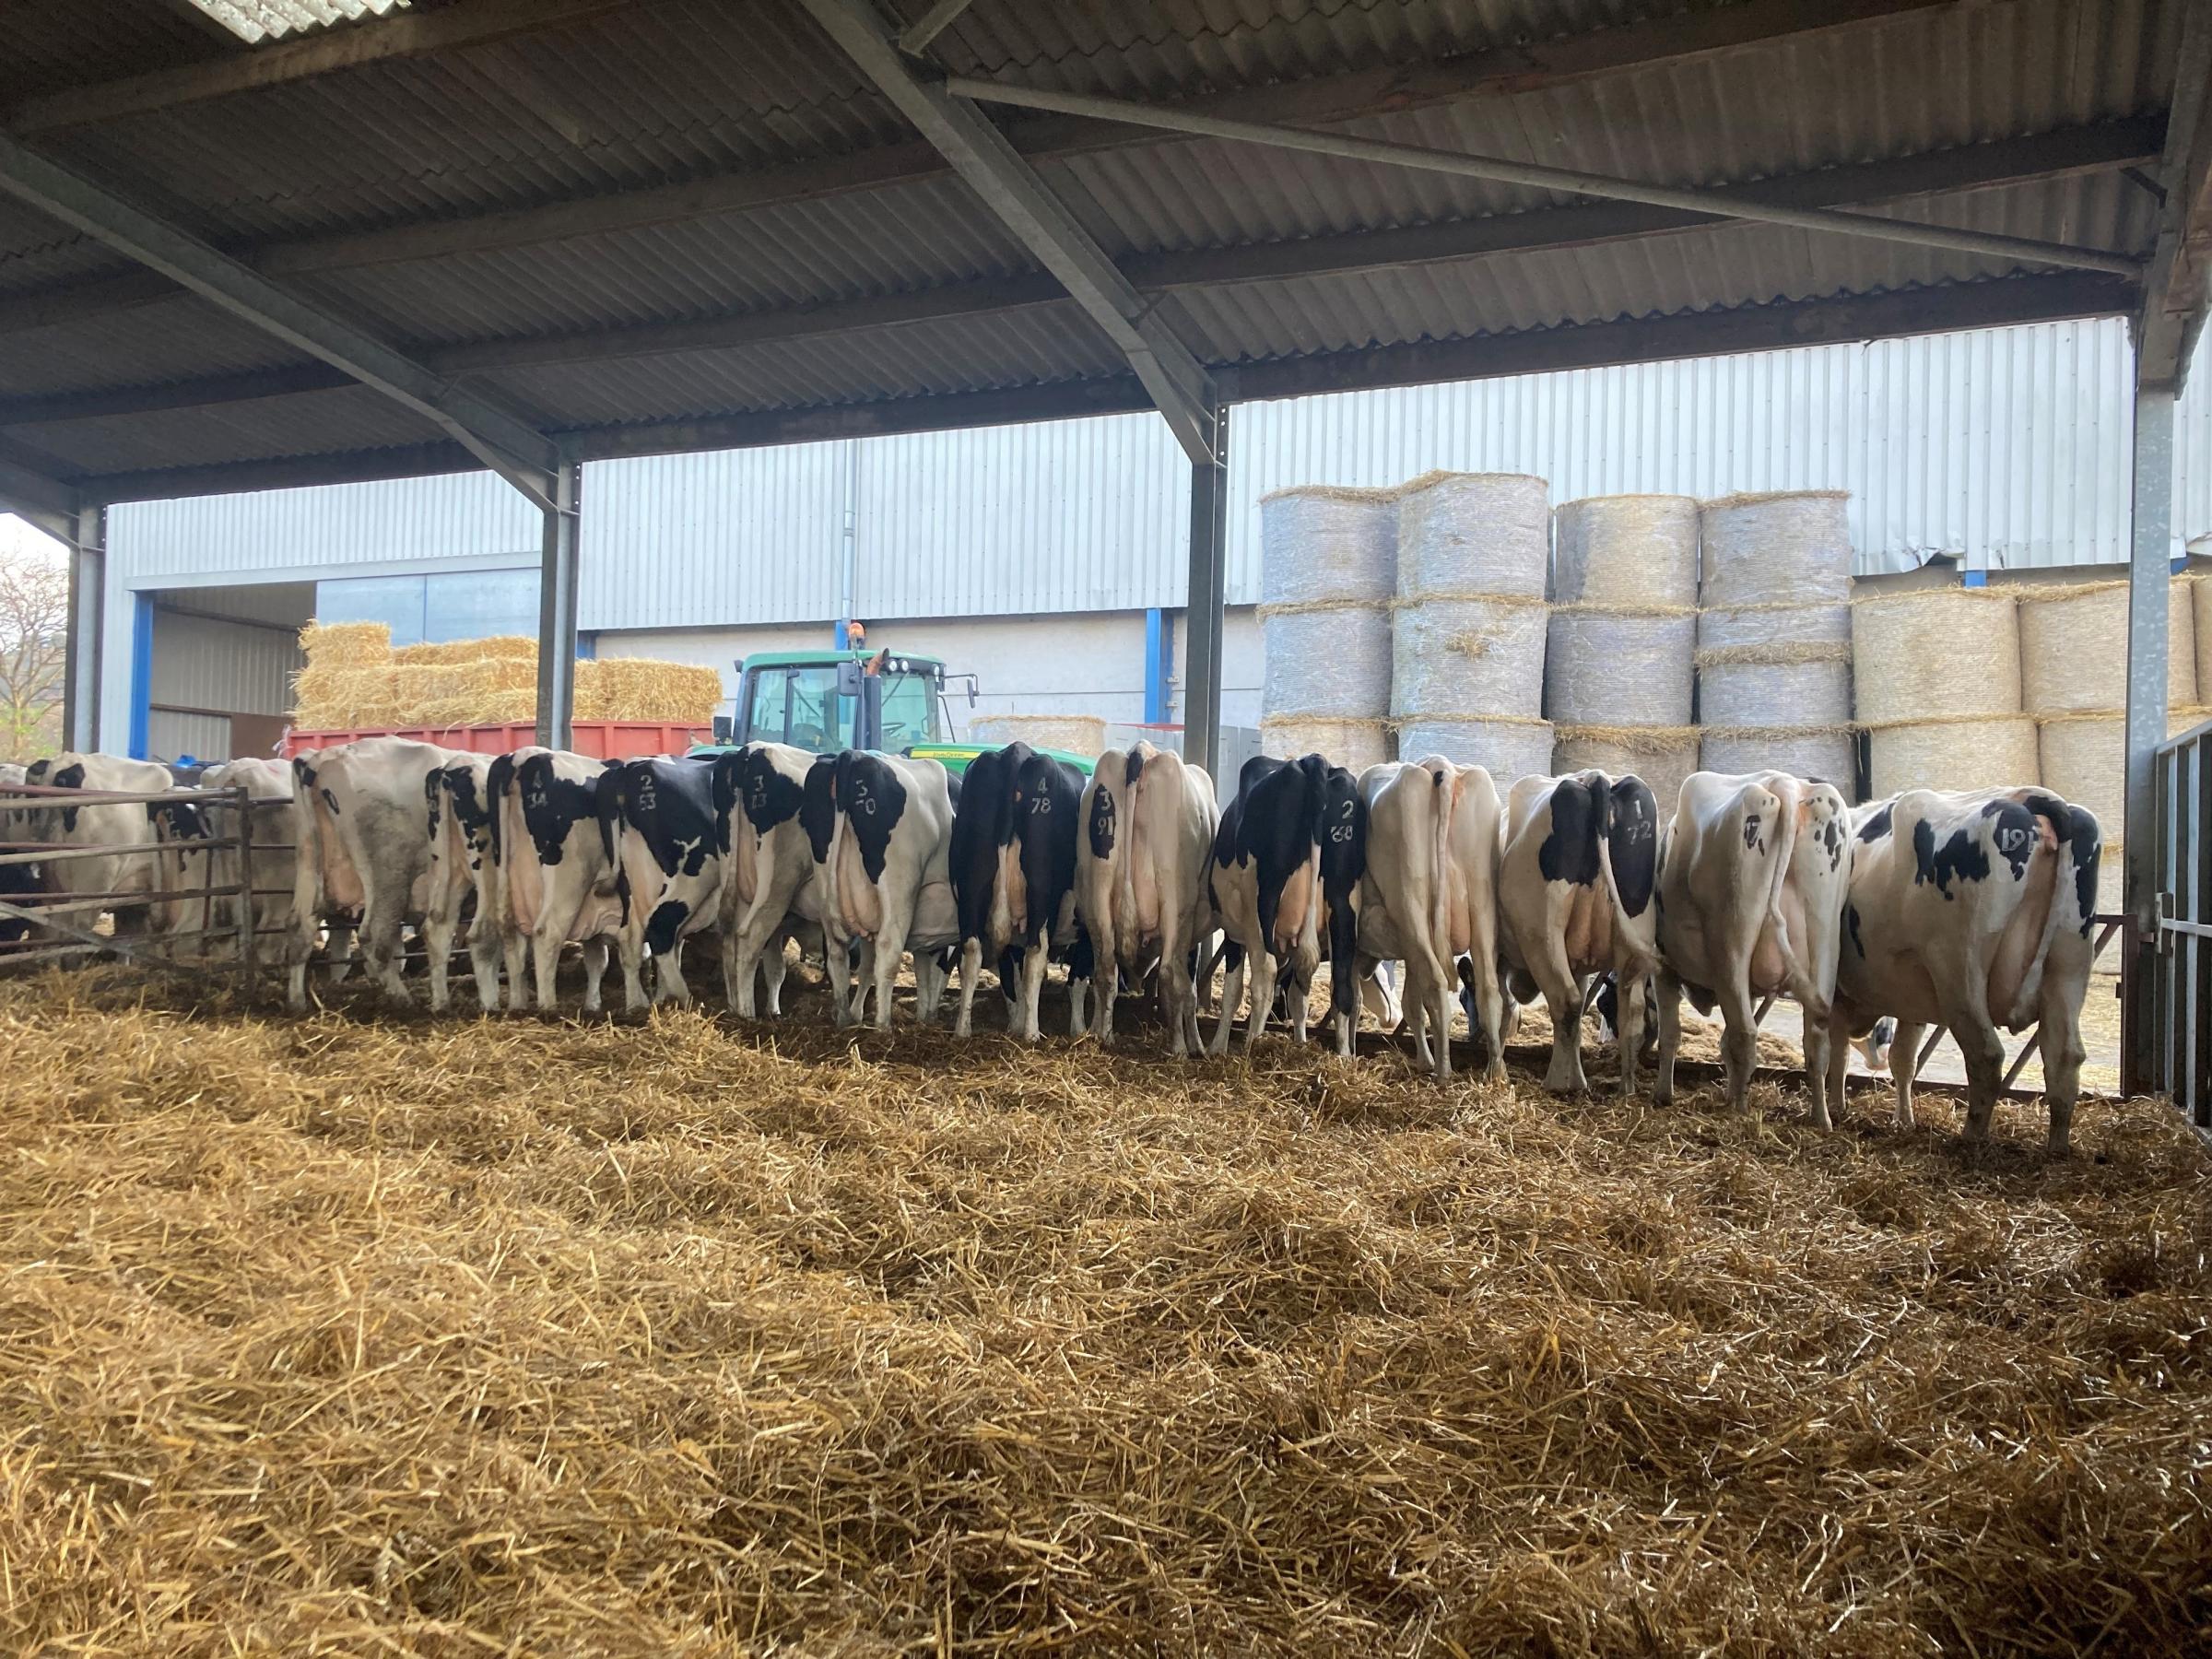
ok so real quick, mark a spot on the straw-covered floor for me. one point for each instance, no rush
(353, 1336)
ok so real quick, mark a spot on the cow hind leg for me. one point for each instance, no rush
(1233, 997)
(668, 975)
(774, 964)
(1630, 986)
(1739, 1038)
(972, 968)
(629, 945)
(1670, 1036)
(1904, 1067)
(1033, 990)
(1562, 999)
(1264, 972)
(1825, 1107)
(595, 969)
(738, 964)
(2059, 1043)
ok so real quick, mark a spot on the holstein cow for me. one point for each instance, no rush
(1148, 835)
(1012, 861)
(657, 829)
(1575, 890)
(275, 858)
(457, 797)
(1751, 881)
(880, 831)
(553, 881)
(768, 865)
(1972, 911)
(17, 880)
(1434, 832)
(1288, 858)
(107, 825)
(357, 812)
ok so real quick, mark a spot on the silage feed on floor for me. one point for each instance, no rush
(445, 1337)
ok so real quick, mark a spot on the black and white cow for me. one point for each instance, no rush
(358, 820)
(1013, 867)
(767, 870)
(18, 881)
(1434, 832)
(275, 858)
(1147, 835)
(464, 878)
(1288, 858)
(881, 830)
(658, 831)
(118, 825)
(553, 882)
(1576, 890)
(1972, 912)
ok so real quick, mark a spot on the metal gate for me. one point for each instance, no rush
(2179, 1047)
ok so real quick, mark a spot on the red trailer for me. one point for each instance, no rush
(601, 739)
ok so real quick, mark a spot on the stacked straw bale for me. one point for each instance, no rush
(1328, 571)
(646, 688)
(346, 644)
(1937, 672)
(1467, 647)
(1773, 655)
(2073, 681)
(1618, 684)
(1076, 734)
(518, 648)
(354, 681)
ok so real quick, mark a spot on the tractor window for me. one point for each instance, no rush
(800, 706)
(907, 706)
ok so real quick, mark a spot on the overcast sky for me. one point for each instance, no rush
(18, 539)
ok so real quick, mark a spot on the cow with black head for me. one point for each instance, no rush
(881, 830)
(1013, 870)
(768, 889)
(659, 833)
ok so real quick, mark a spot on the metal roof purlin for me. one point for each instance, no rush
(32, 493)
(994, 169)
(502, 439)
(1385, 154)
(2175, 283)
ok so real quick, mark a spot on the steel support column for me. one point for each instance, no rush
(1209, 591)
(2148, 577)
(81, 652)
(556, 609)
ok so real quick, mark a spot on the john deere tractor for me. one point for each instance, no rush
(827, 701)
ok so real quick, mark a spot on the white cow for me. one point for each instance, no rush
(881, 830)
(274, 865)
(359, 813)
(1972, 911)
(1148, 828)
(553, 881)
(1575, 886)
(768, 872)
(1751, 880)
(1434, 835)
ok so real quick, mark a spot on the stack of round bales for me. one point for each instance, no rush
(1467, 647)
(1074, 733)
(1328, 571)
(1774, 636)
(2200, 585)
(2074, 682)
(1937, 673)
(1617, 679)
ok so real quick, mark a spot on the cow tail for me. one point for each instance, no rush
(308, 897)
(609, 801)
(502, 775)
(1443, 798)
(1601, 826)
(1125, 844)
(840, 792)
(1785, 852)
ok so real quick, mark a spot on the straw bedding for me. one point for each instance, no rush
(321, 1335)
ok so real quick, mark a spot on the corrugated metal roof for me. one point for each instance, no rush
(667, 91)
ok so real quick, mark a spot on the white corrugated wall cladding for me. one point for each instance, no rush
(205, 663)
(2005, 447)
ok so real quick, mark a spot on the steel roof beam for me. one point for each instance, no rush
(980, 154)
(2178, 282)
(30, 491)
(247, 69)
(1389, 89)
(502, 439)
(1497, 168)
(2064, 153)
(934, 22)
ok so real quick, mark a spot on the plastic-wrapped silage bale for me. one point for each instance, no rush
(1328, 574)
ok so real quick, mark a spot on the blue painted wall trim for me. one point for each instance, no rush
(142, 673)
(587, 647)
(1158, 667)
(1974, 579)
(843, 641)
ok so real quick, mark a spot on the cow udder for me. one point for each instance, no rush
(1589, 927)
(857, 899)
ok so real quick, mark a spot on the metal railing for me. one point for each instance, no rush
(2179, 1036)
(153, 918)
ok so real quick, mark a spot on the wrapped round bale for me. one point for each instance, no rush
(1082, 735)
(1355, 743)
(1936, 653)
(1990, 751)
(2074, 647)
(1474, 533)
(1604, 666)
(1827, 753)
(1509, 747)
(1661, 756)
(1468, 657)
(1774, 625)
(1804, 685)
(1635, 552)
(1328, 572)
(1784, 547)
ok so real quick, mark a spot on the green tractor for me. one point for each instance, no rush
(827, 701)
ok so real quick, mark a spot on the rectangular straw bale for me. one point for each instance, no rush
(346, 644)
(647, 689)
(347, 699)
(518, 648)
(2074, 646)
